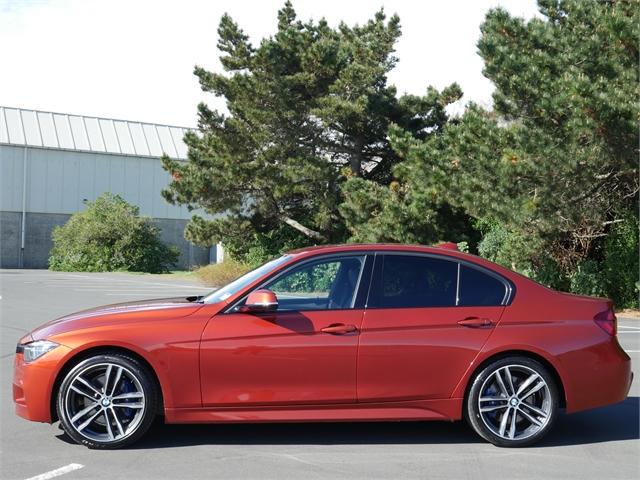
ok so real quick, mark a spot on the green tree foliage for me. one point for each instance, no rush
(110, 235)
(553, 168)
(309, 108)
(621, 263)
(243, 243)
(317, 279)
(588, 279)
(318, 147)
(398, 213)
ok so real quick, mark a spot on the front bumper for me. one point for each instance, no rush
(33, 383)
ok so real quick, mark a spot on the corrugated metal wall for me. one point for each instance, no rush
(58, 181)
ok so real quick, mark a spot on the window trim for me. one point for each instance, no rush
(359, 300)
(507, 299)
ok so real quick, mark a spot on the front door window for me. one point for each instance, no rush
(323, 285)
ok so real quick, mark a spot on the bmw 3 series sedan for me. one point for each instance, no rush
(336, 333)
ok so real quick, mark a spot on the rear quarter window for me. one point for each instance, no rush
(478, 288)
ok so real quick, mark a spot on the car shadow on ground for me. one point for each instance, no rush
(607, 424)
(614, 423)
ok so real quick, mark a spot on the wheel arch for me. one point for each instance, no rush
(77, 357)
(522, 353)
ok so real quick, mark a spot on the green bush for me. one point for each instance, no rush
(620, 265)
(256, 248)
(110, 235)
(547, 272)
(508, 247)
(522, 253)
(219, 274)
(588, 280)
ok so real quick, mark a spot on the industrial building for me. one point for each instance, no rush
(51, 163)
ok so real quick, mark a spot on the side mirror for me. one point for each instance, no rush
(260, 301)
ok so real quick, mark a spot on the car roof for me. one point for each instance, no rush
(445, 249)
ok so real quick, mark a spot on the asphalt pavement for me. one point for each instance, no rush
(599, 444)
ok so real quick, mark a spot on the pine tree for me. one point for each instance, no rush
(555, 163)
(308, 108)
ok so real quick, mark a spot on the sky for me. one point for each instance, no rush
(134, 59)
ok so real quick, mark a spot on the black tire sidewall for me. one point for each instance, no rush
(149, 388)
(472, 413)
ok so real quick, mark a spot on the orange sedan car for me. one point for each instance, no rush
(336, 333)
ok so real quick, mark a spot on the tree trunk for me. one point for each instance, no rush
(301, 228)
(355, 162)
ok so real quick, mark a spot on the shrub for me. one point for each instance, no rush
(548, 273)
(506, 247)
(588, 280)
(522, 253)
(110, 235)
(611, 271)
(257, 248)
(219, 274)
(463, 246)
(620, 265)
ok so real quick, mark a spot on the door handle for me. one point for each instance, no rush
(475, 322)
(338, 329)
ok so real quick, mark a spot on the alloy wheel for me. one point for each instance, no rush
(105, 402)
(515, 402)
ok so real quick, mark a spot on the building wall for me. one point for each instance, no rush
(38, 241)
(58, 182)
(9, 239)
(38, 237)
(172, 233)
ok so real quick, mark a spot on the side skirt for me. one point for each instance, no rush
(448, 409)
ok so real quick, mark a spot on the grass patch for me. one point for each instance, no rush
(219, 274)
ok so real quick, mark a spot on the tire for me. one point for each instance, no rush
(520, 388)
(113, 418)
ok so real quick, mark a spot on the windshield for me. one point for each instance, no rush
(241, 282)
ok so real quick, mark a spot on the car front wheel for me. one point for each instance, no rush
(107, 401)
(512, 402)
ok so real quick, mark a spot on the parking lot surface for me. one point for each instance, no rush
(600, 444)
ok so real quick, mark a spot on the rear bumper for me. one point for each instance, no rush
(604, 379)
(33, 383)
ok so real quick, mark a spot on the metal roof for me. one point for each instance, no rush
(64, 131)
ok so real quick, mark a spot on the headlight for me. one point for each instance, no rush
(35, 350)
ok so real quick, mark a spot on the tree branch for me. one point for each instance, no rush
(301, 228)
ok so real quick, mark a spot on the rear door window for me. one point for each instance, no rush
(405, 281)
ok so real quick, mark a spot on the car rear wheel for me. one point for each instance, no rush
(513, 402)
(107, 401)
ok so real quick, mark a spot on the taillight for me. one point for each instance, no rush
(606, 321)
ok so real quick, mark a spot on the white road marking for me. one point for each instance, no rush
(295, 458)
(632, 351)
(628, 326)
(57, 472)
